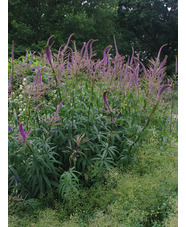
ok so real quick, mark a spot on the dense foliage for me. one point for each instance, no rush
(145, 25)
(73, 119)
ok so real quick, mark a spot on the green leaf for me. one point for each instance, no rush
(47, 180)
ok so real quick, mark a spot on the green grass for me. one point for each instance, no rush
(143, 194)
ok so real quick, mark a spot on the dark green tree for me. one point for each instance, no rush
(31, 23)
(146, 25)
(24, 23)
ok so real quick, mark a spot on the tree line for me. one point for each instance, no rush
(144, 25)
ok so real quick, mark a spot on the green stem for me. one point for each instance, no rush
(172, 106)
(37, 118)
(28, 113)
(111, 130)
(28, 145)
(57, 85)
(91, 100)
(72, 113)
(145, 126)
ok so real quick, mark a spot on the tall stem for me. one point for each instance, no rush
(57, 84)
(91, 100)
(172, 106)
(111, 130)
(72, 113)
(28, 112)
(37, 118)
(145, 126)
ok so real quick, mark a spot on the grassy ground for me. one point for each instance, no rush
(144, 194)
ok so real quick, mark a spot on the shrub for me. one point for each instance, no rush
(72, 119)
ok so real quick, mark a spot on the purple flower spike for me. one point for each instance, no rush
(86, 50)
(162, 89)
(160, 51)
(25, 57)
(23, 135)
(67, 42)
(91, 47)
(58, 107)
(16, 179)
(49, 54)
(31, 58)
(38, 77)
(35, 80)
(49, 40)
(105, 100)
(22, 132)
(83, 47)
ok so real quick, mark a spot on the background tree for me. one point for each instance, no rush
(31, 23)
(143, 24)
(146, 25)
(24, 24)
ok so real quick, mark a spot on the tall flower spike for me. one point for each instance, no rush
(49, 54)
(67, 42)
(48, 51)
(22, 132)
(59, 51)
(86, 50)
(134, 75)
(25, 57)
(83, 47)
(49, 39)
(38, 77)
(31, 58)
(162, 89)
(105, 54)
(158, 57)
(58, 107)
(105, 100)
(91, 47)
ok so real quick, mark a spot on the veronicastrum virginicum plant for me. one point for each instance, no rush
(61, 98)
